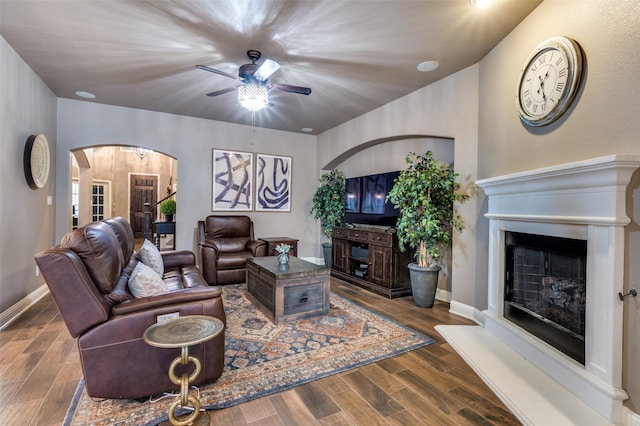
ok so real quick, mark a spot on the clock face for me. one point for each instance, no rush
(549, 81)
(37, 159)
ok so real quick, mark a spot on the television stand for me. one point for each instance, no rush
(369, 257)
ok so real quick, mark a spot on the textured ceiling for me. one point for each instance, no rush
(354, 55)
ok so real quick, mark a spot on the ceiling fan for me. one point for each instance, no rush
(253, 82)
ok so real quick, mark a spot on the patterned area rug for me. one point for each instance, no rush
(262, 358)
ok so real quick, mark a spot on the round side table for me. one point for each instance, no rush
(183, 332)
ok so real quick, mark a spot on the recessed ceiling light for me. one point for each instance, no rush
(87, 95)
(428, 66)
(480, 4)
(307, 129)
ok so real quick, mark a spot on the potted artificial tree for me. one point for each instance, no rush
(425, 193)
(328, 207)
(168, 209)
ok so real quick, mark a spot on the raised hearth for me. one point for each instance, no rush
(585, 200)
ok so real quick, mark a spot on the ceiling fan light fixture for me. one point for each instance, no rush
(267, 68)
(253, 97)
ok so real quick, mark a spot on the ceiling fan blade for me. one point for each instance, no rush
(215, 71)
(221, 92)
(266, 70)
(292, 89)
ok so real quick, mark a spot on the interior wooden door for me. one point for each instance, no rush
(144, 189)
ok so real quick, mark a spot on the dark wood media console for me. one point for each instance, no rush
(369, 257)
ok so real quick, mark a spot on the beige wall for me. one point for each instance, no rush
(27, 107)
(390, 156)
(190, 141)
(605, 118)
(446, 109)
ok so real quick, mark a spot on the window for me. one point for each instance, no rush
(98, 201)
(75, 201)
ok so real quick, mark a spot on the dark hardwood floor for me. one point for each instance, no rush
(40, 370)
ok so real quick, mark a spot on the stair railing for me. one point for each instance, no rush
(148, 234)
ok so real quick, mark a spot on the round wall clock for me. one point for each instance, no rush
(36, 161)
(549, 81)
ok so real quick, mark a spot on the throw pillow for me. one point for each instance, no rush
(145, 282)
(150, 256)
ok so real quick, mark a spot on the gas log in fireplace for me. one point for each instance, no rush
(545, 289)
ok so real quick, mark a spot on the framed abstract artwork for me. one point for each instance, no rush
(232, 181)
(273, 183)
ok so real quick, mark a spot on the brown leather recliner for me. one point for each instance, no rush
(88, 275)
(225, 244)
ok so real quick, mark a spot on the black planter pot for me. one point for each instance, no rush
(327, 252)
(168, 218)
(424, 283)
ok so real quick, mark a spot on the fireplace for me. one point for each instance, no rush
(569, 218)
(545, 289)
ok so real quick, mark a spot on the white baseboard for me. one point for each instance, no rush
(443, 295)
(467, 311)
(316, 260)
(12, 312)
(630, 418)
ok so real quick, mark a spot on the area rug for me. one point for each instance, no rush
(262, 358)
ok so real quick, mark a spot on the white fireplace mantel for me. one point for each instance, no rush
(582, 200)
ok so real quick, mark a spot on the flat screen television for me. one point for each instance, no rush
(365, 200)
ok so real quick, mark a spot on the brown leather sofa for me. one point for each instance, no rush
(88, 274)
(225, 244)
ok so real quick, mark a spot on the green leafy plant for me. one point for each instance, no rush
(425, 193)
(328, 201)
(168, 206)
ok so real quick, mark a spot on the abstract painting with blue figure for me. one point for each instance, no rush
(273, 183)
(232, 180)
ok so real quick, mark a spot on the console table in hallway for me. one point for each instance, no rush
(165, 228)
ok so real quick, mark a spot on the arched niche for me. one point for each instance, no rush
(388, 154)
(396, 147)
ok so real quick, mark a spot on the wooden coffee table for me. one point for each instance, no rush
(287, 294)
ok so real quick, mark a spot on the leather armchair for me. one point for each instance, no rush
(88, 275)
(225, 244)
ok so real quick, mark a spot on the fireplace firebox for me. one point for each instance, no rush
(545, 289)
